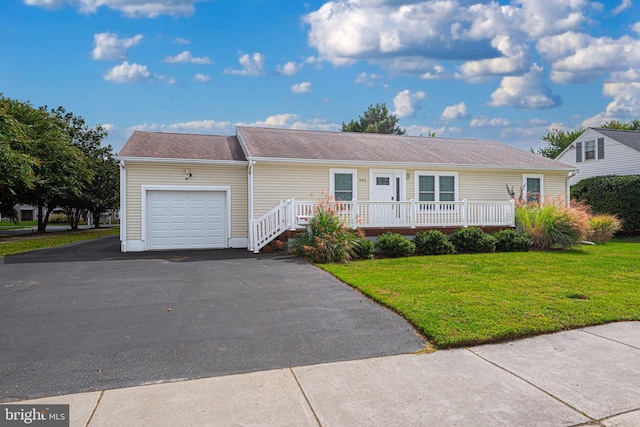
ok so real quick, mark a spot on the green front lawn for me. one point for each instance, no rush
(32, 243)
(8, 225)
(459, 300)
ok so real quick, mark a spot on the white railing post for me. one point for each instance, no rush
(354, 213)
(292, 214)
(413, 213)
(465, 222)
(513, 212)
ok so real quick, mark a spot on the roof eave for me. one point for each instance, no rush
(404, 164)
(181, 161)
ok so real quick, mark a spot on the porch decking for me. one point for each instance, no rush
(292, 214)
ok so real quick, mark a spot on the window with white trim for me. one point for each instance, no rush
(533, 187)
(590, 150)
(436, 187)
(343, 184)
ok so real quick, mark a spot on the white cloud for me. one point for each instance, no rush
(367, 79)
(406, 103)
(626, 4)
(488, 38)
(489, 122)
(108, 127)
(202, 78)
(251, 65)
(129, 8)
(304, 87)
(625, 105)
(291, 68)
(187, 57)
(108, 46)
(182, 41)
(127, 73)
(526, 91)
(195, 126)
(454, 112)
(579, 57)
(636, 27)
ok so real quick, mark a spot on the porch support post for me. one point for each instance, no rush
(464, 213)
(413, 213)
(252, 236)
(354, 213)
(292, 214)
(513, 212)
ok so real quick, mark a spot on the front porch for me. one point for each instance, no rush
(292, 215)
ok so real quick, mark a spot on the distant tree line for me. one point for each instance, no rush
(52, 159)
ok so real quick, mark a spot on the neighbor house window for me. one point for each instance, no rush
(533, 187)
(590, 150)
(436, 187)
(343, 184)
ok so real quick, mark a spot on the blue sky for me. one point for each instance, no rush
(508, 71)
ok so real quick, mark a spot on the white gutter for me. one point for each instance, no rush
(191, 161)
(569, 176)
(250, 204)
(123, 207)
(386, 164)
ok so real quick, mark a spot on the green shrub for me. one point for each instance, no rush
(603, 227)
(363, 249)
(395, 245)
(472, 240)
(433, 242)
(512, 241)
(329, 238)
(614, 195)
(553, 224)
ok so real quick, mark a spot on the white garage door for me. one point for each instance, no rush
(186, 219)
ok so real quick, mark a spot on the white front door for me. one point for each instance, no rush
(386, 187)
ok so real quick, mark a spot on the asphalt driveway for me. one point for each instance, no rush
(86, 317)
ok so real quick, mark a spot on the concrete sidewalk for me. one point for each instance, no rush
(589, 376)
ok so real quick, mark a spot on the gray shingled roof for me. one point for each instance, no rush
(162, 145)
(630, 138)
(269, 143)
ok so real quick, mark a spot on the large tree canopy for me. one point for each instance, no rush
(53, 159)
(377, 119)
(557, 139)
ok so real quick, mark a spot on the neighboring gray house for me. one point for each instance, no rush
(598, 152)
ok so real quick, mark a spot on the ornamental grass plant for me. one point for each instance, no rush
(554, 223)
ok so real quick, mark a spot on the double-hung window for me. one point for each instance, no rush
(343, 184)
(436, 187)
(590, 150)
(533, 187)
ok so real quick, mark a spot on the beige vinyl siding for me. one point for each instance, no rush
(491, 185)
(139, 174)
(273, 182)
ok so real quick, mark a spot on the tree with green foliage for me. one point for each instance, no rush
(376, 119)
(16, 166)
(102, 191)
(59, 168)
(557, 140)
(616, 124)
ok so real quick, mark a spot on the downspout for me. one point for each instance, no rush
(123, 207)
(569, 176)
(250, 204)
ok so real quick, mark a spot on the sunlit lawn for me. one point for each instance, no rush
(54, 239)
(459, 300)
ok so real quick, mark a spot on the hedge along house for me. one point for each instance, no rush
(598, 152)
(200, 191)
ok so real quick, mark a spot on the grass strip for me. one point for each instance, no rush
(460, 300)
(35, 242)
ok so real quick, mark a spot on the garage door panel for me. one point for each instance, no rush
(186, 219)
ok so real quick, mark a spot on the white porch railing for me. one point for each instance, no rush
(291, 214)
